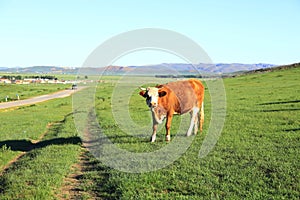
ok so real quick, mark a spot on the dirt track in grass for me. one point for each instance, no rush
(74, 184)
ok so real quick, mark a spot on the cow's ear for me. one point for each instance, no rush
(142, 93)
(162, 93)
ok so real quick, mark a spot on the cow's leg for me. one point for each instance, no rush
(201, 117)
(194, 117)
(153, 137)
(196, 123)
(168, 126)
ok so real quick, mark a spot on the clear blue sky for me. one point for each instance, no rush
(64, 33)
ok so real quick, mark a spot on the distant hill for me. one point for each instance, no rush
(36, 69)
(206, 68)
(164, 68)
(282, 67)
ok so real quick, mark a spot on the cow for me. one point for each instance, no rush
(178, 97)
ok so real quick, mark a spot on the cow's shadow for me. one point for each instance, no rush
(280, 102)
(27, 145)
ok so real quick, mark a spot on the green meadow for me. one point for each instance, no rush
(50, 143)
(256, 156)
(27, 91)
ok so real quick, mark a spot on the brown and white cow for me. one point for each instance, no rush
(175, 98)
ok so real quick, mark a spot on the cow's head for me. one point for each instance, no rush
(152, 94)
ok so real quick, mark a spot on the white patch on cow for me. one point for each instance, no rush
(168, 137)
(194, 117)
(156, 116)
(152, 100)
(153, 138)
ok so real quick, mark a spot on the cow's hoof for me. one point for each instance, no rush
(168, 138)
(152, 139)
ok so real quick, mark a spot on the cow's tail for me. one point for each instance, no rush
(201, 116)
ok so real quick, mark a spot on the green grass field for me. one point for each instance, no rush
(27, 91)
(50, 142)
(256, 157)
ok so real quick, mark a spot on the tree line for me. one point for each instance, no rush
(19, 77)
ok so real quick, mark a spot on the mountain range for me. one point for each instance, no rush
(164, 68)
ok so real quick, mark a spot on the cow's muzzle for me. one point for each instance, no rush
(153, 105)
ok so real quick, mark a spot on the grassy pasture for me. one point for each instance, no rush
(256, 157)
(38, 173)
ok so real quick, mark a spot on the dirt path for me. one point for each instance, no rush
(38, 99)
(74, 184)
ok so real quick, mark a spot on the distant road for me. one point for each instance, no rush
(38, 99)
